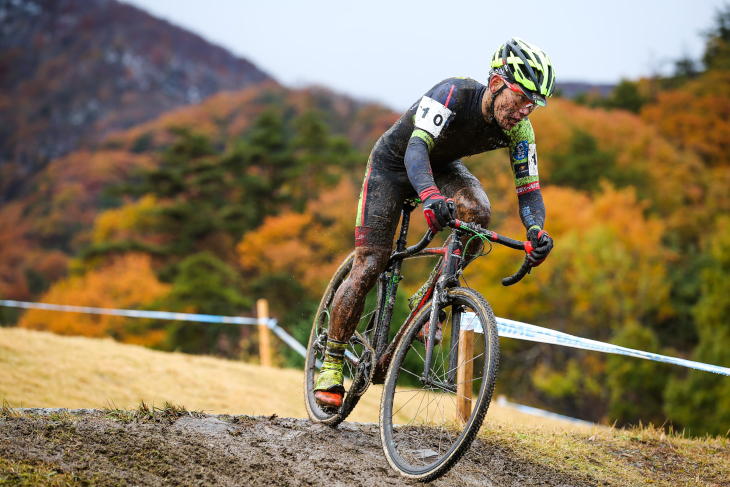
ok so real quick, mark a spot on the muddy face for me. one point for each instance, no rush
(510, 108)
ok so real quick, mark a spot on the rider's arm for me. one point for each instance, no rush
(431, 117)
(523, 158)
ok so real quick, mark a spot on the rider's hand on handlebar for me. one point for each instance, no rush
(538, 247)
(437, 209)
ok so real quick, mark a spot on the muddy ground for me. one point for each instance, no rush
(91, 449)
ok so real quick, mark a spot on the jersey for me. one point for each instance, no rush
(447, 124)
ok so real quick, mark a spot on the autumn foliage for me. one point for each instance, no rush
(126, 282)
(253, 194)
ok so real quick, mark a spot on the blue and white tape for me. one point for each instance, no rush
(541, 413)
(525, 331)
(507, 328)
(165, 315)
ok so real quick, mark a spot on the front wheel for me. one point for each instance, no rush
(426, 425)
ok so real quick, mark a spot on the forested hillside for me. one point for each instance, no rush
(246, 154)
(253, 194)
(72, 71)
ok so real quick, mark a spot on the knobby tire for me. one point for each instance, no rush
(405, 451)
(315, 353)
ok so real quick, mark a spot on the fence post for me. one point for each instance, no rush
(262, 311)
(464, 375)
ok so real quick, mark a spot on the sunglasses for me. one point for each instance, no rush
(517, 89)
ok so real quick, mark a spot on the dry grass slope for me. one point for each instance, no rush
(39, 369)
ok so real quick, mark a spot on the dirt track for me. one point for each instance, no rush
(233, 450)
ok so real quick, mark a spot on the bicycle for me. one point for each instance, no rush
(428, 414)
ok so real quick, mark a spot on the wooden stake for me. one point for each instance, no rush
(464, 375)
(262, 310)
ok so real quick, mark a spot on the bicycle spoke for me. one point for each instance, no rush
(355, 351)
(435, 432)
(419, 406)
(406, 403)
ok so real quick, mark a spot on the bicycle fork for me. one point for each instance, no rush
(449, 278)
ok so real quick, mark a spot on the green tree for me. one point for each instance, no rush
(636, 387)
(583, 165)
(205, 198)
(209, 198)
(626, 96)
(205, 285)
(717, 51)
(701, 400)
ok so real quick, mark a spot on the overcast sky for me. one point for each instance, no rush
(393, 51)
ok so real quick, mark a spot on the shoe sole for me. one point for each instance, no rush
(328, 399)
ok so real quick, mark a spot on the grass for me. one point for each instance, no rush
(168, 412)
(39, 369)
(643, 455)
(33, 473)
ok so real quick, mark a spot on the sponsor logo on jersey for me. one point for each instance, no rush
(526, 188)
(520, 151)
(522, 170)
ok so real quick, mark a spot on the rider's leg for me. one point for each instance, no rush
(379, 209)
(472, 203)
(347, 307)
(349, 300)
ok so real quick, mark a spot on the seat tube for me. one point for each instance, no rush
(391, 286)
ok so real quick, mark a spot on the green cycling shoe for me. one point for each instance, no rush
(329, 391)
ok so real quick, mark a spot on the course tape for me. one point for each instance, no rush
(165, 315)
(503, 402)
(507, 328)
(524, 331)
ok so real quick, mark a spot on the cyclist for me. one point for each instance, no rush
(420, 155)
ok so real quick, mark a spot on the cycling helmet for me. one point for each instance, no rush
(526, 65)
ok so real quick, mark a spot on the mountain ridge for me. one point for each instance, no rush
(73, 71)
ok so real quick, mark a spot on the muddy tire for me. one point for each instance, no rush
(357, 377)
(422, 431)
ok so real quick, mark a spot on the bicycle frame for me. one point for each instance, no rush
(445, 276)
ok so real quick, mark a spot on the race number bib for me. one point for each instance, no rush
(532, 160)
(432, 116)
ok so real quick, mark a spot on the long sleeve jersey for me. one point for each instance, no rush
(447, 124)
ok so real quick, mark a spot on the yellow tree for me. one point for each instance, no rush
(127, 282)
(608, 269)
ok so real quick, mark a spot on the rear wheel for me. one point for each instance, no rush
(359, 357)
(427, 425)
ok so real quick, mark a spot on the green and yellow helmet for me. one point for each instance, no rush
(527, 65)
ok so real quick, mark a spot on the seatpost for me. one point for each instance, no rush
(408, 207)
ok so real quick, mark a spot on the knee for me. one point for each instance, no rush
(472, 205)
(369, 263)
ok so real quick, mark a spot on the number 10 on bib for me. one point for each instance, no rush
(432, 116)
